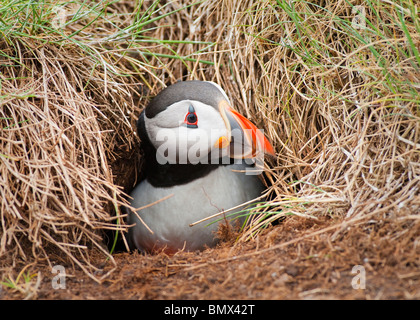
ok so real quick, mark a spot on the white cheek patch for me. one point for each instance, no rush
(175, 143)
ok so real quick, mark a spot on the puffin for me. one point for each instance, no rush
(201, 157)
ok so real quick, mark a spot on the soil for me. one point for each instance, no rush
(296, 259)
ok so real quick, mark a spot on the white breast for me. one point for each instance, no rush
(169, 219)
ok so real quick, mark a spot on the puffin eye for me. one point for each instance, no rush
(191, 118)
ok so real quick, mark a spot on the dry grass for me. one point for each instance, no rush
(340, 104)
(59, 132)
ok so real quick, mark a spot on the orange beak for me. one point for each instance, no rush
(244, 139)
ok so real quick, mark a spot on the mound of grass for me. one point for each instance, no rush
(71, 78)
(336, 87)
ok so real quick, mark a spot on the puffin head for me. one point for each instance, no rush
(192, 122)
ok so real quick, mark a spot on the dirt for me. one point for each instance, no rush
(296, 259)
